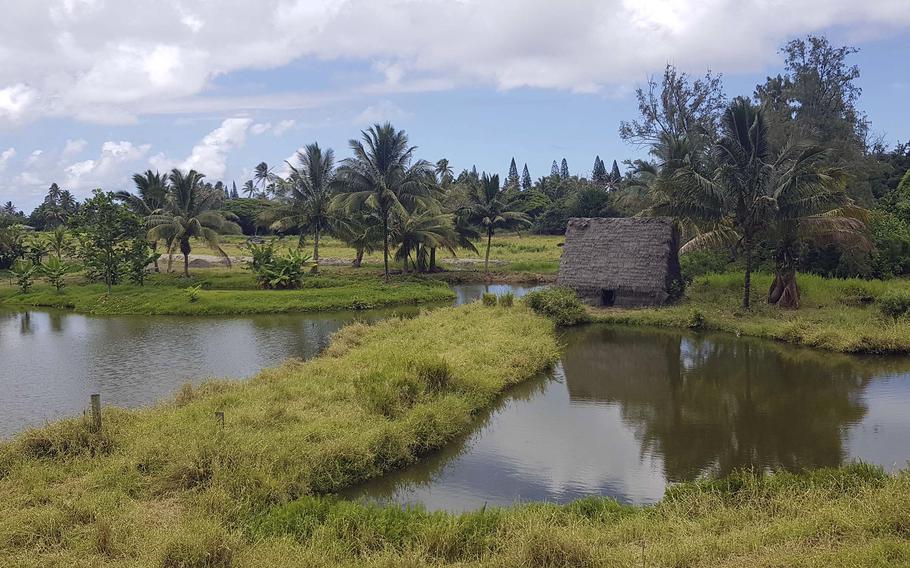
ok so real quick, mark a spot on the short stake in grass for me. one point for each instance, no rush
(96, 412)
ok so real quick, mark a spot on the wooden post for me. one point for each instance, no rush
(220, 417)
(96, 412)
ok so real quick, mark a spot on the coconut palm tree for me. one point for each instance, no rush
(151, 196)
(249, 188)
(444, 173)
(381, 177)
(190, 214)
(418, 232)
(310, 207)
(8, 209)
(264, 176)
(488, 206)
(811, 205)
(755, 193)
(360, 231)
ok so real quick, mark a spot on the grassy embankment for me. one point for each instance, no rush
(223, 292)
(168, 486)
(839, 315)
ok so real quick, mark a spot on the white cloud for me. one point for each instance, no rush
(112, 61)
(260, 128)
(6, 156)
(73, 147)
(380, 112)
(210, 155)
(283, 127)
(15, 101)
(116, 161)
(34, 157)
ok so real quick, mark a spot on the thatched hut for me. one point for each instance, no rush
(621, 262)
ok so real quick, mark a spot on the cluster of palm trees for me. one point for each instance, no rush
(746, 192)
(383, 197)
(178, 209)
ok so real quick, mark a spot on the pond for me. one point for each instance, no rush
(627, 411)
(52, 361)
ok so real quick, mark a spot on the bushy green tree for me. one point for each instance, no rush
(105, 231)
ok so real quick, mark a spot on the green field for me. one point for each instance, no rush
(508, 253)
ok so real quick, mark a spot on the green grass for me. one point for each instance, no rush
(854, 516)
(836, 314)
(168, 486)
(224, 292)
(508, 253)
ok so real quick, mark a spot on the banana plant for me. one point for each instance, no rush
(55, 270)
(24, 270)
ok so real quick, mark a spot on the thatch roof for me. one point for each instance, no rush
(630, 255)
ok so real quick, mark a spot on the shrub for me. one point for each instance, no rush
(701, 262)
(192, 293)
(55, 270)
(278, 272)
(507, 299)
(489, 299)
(895, 303)
(24, 271)
(696, 320)
(559, 304)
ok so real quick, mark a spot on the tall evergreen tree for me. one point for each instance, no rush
(564, 169)
(513, 181)
(599, 173)
(525, 179)
(554, 169)
(234, 193)
(615, 176)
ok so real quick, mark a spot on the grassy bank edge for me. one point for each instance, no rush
(836, 315)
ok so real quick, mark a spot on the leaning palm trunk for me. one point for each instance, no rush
(155, 254)
(358, 258)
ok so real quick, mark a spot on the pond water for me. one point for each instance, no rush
(52, 361)
(628, 411)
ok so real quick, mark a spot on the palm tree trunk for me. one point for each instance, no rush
(185, 249)
(486, 260)
(784, 291)
(385, 244)
(432, 259)
(747, 282)
(155, 253)
(358, 258)
(316, 250)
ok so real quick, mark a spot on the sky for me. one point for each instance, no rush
(92, 91)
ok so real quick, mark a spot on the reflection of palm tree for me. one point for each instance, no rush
(719, 403)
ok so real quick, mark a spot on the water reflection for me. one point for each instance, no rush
(628, 411)
(50, 362)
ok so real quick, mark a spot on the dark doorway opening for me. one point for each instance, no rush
(607, 297)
